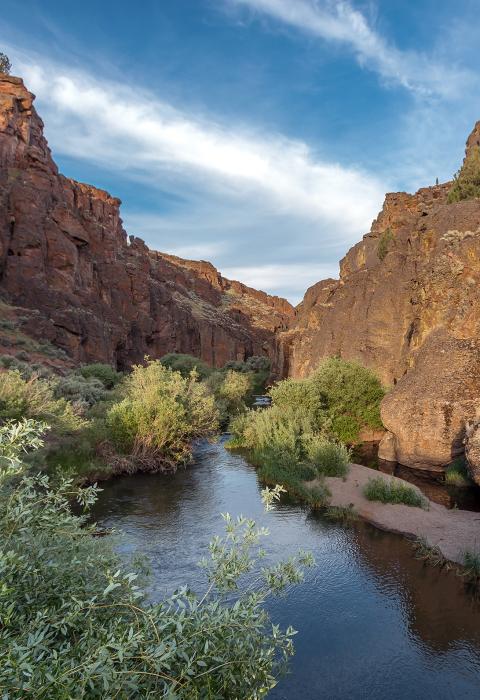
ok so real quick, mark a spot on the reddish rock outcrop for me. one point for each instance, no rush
(407, 305)
(100, 295)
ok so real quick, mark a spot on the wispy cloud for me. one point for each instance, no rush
(268, 197)
(281, 279)
(338, 21)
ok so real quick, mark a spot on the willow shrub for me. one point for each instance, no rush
(232, 390)
(282, 443)
(160, 414)
(35, 398)
(74, 624)
(105, 374)
(340, 396)
(185, 364)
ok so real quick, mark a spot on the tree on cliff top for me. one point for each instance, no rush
(5, 65)
(467, 181)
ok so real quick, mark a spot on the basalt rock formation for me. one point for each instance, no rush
(407, 305)
(84, 286)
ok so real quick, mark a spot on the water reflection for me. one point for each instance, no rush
(431, 483)
(373, 621)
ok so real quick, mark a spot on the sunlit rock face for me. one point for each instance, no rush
(100, 295)
(407, 305)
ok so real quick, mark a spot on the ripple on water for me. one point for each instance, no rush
(373, 621)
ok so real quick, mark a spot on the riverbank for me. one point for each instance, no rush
(370, 616)
(453, 531)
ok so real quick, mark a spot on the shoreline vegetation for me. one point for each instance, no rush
(77, 619)
(77, 622)
(104, 423)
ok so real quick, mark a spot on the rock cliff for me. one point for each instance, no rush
(407, 305)
(96, 293)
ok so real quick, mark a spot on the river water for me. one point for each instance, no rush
(373, 622)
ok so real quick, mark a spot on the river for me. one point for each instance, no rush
(373, 622)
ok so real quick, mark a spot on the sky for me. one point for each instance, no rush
(261, 135)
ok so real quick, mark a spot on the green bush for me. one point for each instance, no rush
(391, 491)
(161, 414)
(257, 366)
(231, 390)
(457, 474)
(81, 391)
(74, 624)
(466, 183)
(340, 396)
(34, 398)
(329, 458)
(104, 373)
(185, 364)
(301, 394)
(352, 394)
(278, 426)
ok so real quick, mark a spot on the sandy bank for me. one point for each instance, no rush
(452, 531)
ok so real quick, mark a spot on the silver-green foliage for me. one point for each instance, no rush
(73, 624)
(5, 65)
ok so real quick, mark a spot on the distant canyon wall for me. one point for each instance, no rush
(98, 294)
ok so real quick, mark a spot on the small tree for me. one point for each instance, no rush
(5, 65)
(466, 183)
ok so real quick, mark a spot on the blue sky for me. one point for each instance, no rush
(258, 134)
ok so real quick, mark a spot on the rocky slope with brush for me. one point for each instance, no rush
(78, 282)
(407, 305)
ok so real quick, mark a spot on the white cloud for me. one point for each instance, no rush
(123, 128)
(338, 21)
(239, 194)
(276, 278)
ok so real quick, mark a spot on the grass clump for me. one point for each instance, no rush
(330, 458)
(466, 184)
(391, 491)
(456, 474)
(430, 554)
(471, 563)
(342, 514)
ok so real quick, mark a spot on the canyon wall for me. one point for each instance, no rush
(407, 305)
(96, 293)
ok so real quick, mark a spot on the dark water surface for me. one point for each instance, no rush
(373, 621)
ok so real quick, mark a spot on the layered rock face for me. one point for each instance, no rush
(407, 305)
(98, 294)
